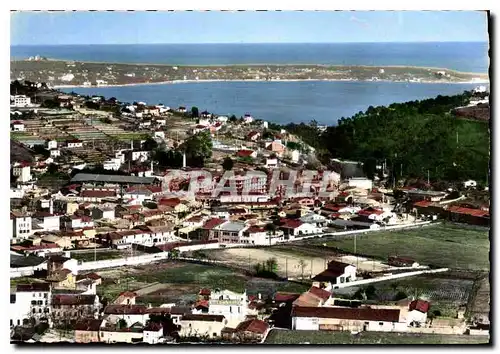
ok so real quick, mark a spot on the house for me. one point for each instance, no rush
(55, 152)
(257, 235)
(21, 226)
(314, 219)
(174, 203)
(336, 273)
(397, 261)
(253, 136)
(208, 230)
(233, 306)
(73, 144)
(271, 163)
(103, 213)
(469, 215)
(294, 228)
(22, 171)
(252, 330)
(152, 333)
(70, 308)
(295, 155)
(159, 134)
(17, 126)
(276, 146)
(314, 297)
(470, 184)
(247, 153)
(131, 314)
(229, 232)
(47, 221)
(30, 302)
(77, 222)
(202, 325)
(418, 194)
(360, 182)
(373, 214)
(139, 155)
(247, 119)
(346, 319)
(87, 331)
(115, 334)
(417, 315)
(22, 101)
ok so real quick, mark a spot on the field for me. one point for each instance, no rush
(323, 337)
(100, 255)
(179, 281)
(289, 258)
(443, 245)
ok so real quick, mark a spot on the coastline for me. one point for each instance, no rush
(411, 67)
(172, 82)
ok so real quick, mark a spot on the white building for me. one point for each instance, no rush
(30, 301)
(22, 171)
(360, 182)
(256, 235)
(233, 306)
(22, 101)
(153, 333)
(271, 163)
(296, 228)
(17, 126)
(417, 312)
(295, 155)
(336, 273)
(140, 155)
(112, 164)
(21, 226)
(103, 212)
(470, 184)
(247, 119)
(73, 144)
(202, 325)
(47, 221)
(55, 153)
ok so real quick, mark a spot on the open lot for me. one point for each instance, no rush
(289, 258)
(324, 337)
(180, 281)
(101, 255)
(443, 245)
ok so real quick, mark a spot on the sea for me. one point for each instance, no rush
(280, 102)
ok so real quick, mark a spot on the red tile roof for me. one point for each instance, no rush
(420, 305)
(130, 294)
(244, 153)
(346, 313)
(291, 223)
(205, 292)
(370, 211)
(68, 300)
(422, 203)
(254, 326)
(320, 293)
(207, 318)
(97, 194)
(171, 202)
(125, 309)
(210, 224)
(255, 229)
(469, 211)
(153, 327)
(33, 287)
(285, 297)
(87, 325)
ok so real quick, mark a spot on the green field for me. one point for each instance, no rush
(443, 245)
(323, 337)
(188, 278)
(99, 256)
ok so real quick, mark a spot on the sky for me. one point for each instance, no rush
(42, 28)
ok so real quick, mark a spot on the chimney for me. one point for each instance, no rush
(183, 159)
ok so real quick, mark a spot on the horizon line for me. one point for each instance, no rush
(211, 43)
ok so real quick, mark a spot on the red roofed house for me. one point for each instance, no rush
(17, 126)
(469, 215)
(70, 308)
(207, 231)
(347, 319)
(336, 273)
(294, 227)
(152, 333)
(314, 297)
(418, 310)
(373, 214)
(247, 153)
(257, 235)
(174, 203)
(253, 136)
(251, 330)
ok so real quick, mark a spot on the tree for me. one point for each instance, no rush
(50, 104)
(150, 144)
(272, 265)
(198, 148)
(174, 253)
(195, 112)
(52, 169)
(233, 118)
(228, 164)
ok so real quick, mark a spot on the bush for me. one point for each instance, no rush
(400, 296)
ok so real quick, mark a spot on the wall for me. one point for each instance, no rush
(119, 337)
(110, 263)
(86, 336)
(26, 271)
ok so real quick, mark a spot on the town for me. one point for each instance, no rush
(143, 223)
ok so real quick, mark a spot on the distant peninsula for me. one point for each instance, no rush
(65, 73)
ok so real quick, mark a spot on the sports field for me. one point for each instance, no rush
(443, 245)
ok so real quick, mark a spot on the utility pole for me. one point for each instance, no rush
(311, 268)
(428, 177)
(286, 268)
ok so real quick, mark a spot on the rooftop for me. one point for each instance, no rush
(88, 177)
(346, 313)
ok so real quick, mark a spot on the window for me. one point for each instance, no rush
(45, 295)
(34, 310)
(11, 322)
(214, 334)
(381, 323)
(39, 310)
(18, 322)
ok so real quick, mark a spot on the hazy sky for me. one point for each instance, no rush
(246, 27)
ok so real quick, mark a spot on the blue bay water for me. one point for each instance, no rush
(279, 102)
(461, 56)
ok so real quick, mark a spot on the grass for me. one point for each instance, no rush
(324, 337)
(443, 245)
(134, 136)
(192, 277)
(22, 280)
(100, 256)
